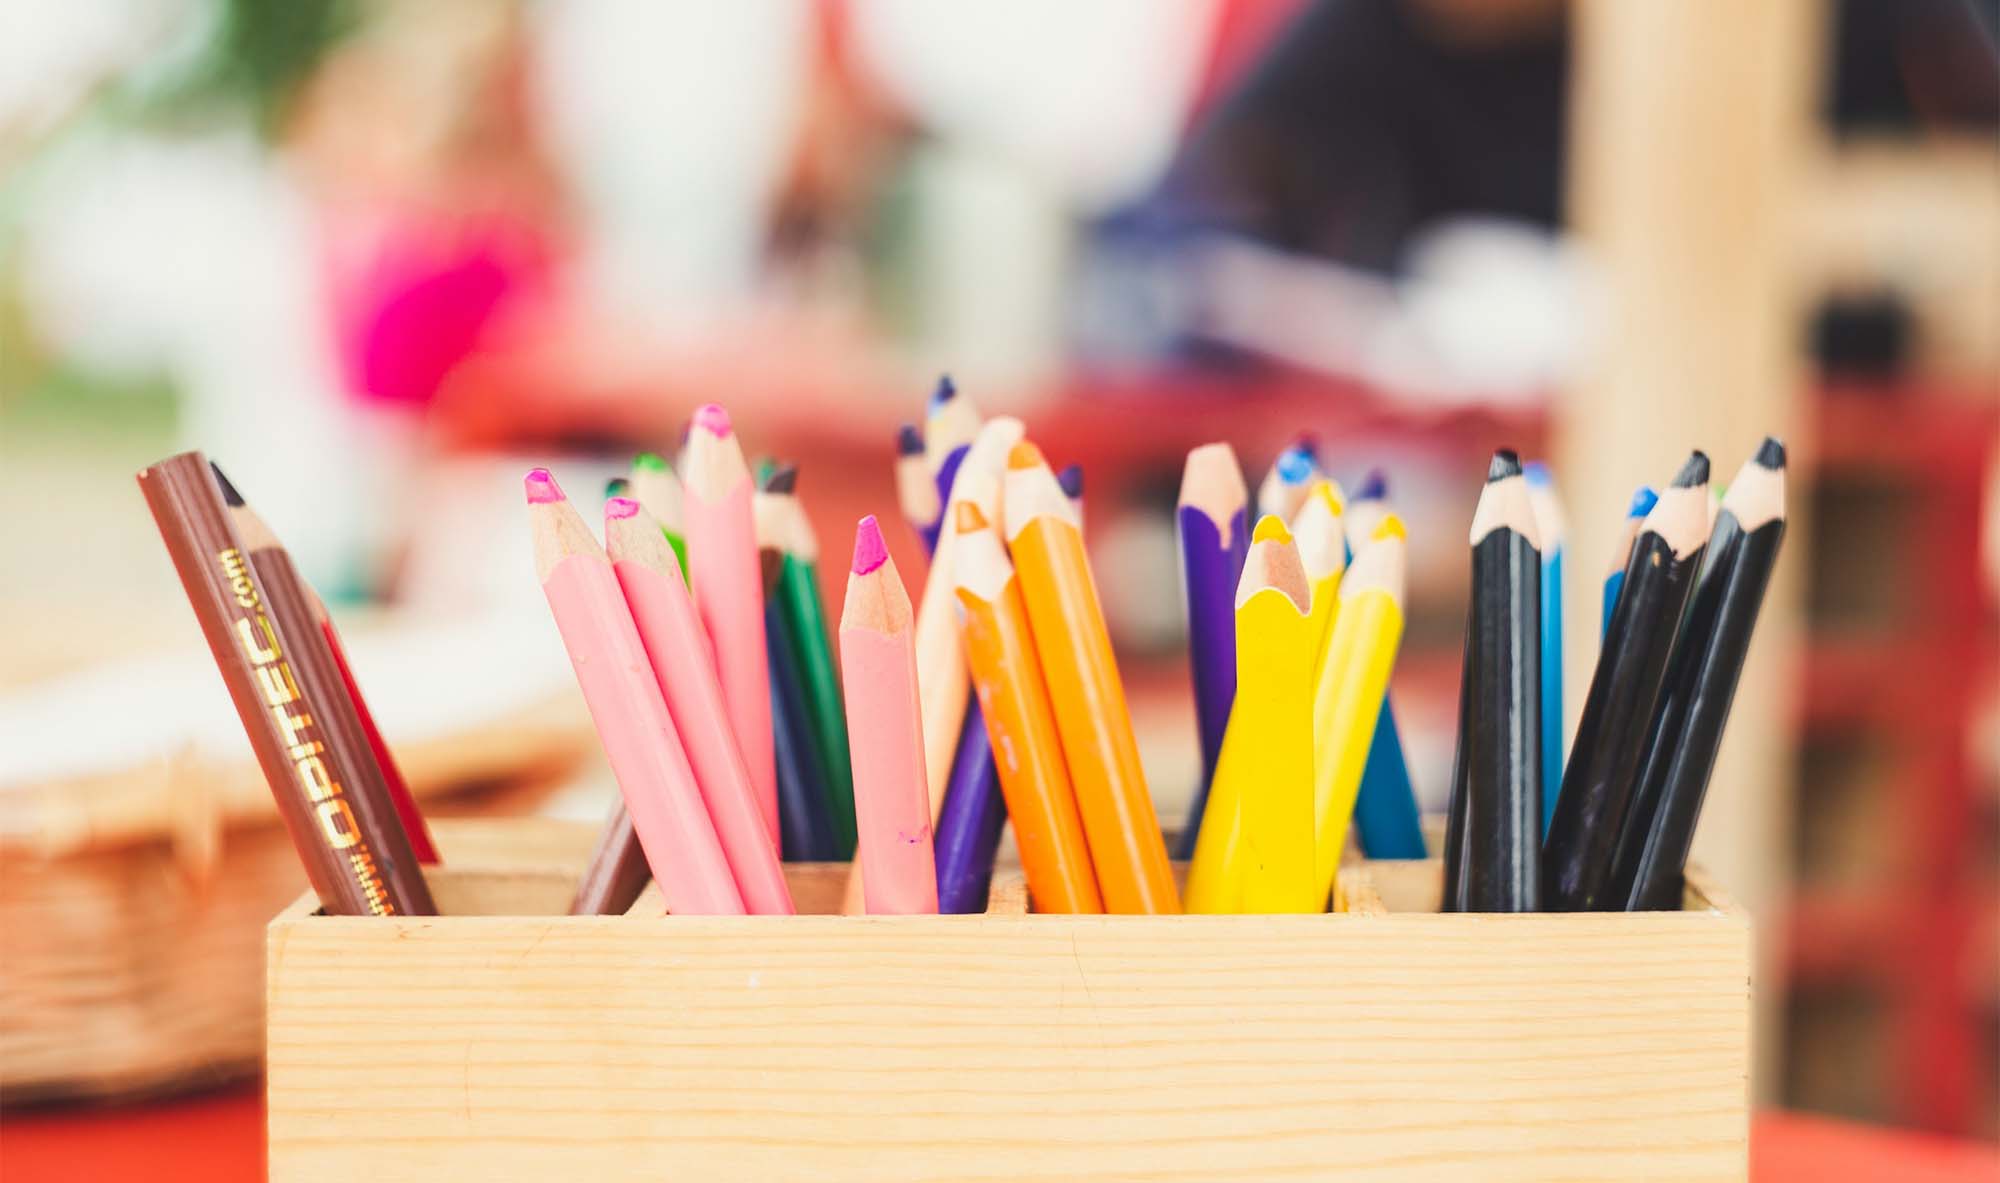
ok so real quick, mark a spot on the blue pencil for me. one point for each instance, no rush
(1549, 526)
(1614, 580)
(1386, 819)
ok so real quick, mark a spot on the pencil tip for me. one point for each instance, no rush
(1328, 493)
(712, 419)
(783, 478)
(617, 486)
(971, 519)
(1374, 486)
(1307, 444)
(1770, 453)
(1071, 480)
(1025, 455)
(542, 487)
(1506, 463)
(650, 462)
(1537, 474)
(870, 551)
(1390, 526)
(620, 507)
(1644, 498)
(944, 392)
(1694, 472)
(230, 496)
(1295, 464)
(909, 441)
(1270, 528)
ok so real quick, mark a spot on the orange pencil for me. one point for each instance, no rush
(1091, 716)
(1007, 676)
(891, 803)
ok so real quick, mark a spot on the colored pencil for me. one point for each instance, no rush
(616, 873)
(1320, 528)
(1352, 678)
(654, 485)
(1621, 548)
(805, 827)
(628, 708)
(1501, 737)
(950, 423)
(1067, 621)
(916, 493)
(265, 552)
(1550, 529)
(892, 807)
(728, 588)
(617, 486)
(1275, 656)
(1020, 722)
(1214, 535)
(805, 620)
(1599, 780)
(1070, 480)
(1284, 487)
(1707, 662)
(297, 716)
(670, 632)
(1386, 818)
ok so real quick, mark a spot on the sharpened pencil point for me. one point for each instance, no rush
(1374, 486)
(651, 462)
(620, 507)
(971, 519)
(944, 392)
(1270, 528)
(617, 486)
(1328, 493)
(1506, 463)
(909, 441)
(230, 496)
(783, 478)
(1295, 465)
(1071, 480)
(542, 487)
(1694, 472)
(1770, 453)
(1644, 498)
(1025, 455)
(870, 551)
(1390, 526)
(714, 420)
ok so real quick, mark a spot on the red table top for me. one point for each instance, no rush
(219, 1138)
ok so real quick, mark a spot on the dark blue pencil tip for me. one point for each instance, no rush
(1374, 486)
(1295, 465)
(944, 393)
(1506, 463)
(1644, 498)
(1307, 443)
(1071, 480)
(1694, 472)
(1536, 473)
(909, 441)
(1771, 453)
(783, 477)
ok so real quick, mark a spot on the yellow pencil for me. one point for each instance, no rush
(1320, 529)
(1353, 677)
(1255, 849)
(1273, 720)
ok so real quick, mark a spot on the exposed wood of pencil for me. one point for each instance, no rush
(1599, 779)
(1126, 846)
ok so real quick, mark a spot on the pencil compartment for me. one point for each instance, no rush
(504, 1041)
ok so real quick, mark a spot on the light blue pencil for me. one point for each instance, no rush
(1550, 526)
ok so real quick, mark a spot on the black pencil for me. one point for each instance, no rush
(1701, 679)
(1501, 742)
(1610, 739)
(1455, 815)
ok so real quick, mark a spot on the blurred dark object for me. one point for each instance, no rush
(1864, 334)
(1928, 65)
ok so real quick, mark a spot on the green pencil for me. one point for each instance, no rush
(655, 486)
(799, 596)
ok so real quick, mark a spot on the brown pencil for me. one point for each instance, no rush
(275, 664)
(616, 873)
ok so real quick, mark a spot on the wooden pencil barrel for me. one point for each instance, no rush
(505, 1041)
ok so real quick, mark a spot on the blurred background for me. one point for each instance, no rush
(377, 256)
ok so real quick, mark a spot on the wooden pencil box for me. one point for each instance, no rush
(505, 1042)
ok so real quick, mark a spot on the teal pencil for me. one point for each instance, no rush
(1549, 525)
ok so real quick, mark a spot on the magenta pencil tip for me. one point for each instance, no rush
(870, 551)
(620, 507)
(542, 487)
(714, 420)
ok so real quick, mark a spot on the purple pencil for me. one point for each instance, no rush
(1215, 540)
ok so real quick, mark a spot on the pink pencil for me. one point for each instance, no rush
(628, 709)
(892, 802)
(664, 611)
(729, 592)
